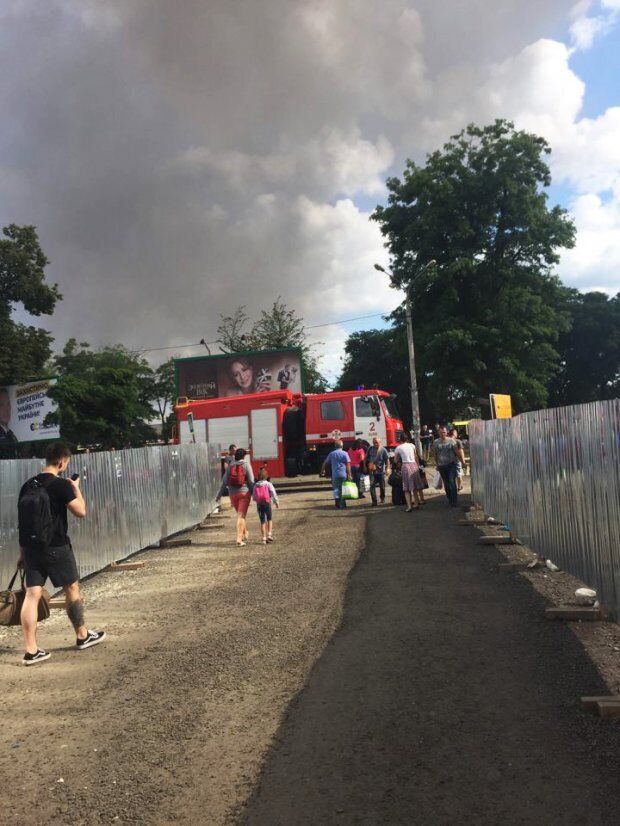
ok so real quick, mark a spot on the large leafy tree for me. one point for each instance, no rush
(378, 358)
(590, 351)
(104, 397)
(24, 349)
(277, 327)
(163, 397)
(488, 315)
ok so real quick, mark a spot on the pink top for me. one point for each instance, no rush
(356, 456)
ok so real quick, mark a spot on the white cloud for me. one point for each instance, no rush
(594, 263)
(586, 27)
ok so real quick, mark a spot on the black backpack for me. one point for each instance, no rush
(34, 516)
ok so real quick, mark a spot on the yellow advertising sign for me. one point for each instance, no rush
(501, 406)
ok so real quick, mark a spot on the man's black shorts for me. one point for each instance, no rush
(56, 563)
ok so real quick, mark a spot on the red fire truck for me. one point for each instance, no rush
(290, 433)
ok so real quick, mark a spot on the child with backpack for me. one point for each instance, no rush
(264, 494)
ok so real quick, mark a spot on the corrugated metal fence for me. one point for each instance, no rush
(134, 499)
(554, 477)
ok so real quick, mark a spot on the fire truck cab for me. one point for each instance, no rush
(351, 415)
(290, 433)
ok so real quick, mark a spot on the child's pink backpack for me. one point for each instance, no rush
(262, 494)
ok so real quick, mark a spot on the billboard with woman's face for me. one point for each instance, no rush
(212, 377)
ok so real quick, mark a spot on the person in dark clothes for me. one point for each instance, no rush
(56, 561)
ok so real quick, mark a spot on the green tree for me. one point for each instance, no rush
(277, 327)
(24, 349)
(589, 352)
(487, 317)
(378, 358)
(163, 397)
(104, 397)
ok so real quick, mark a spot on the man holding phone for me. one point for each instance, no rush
(42, 506)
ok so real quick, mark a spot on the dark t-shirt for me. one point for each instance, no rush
(60, 492)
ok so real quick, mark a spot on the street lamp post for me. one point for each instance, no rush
(415, 401)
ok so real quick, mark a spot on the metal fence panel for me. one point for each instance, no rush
(554, 477)
(134, 499)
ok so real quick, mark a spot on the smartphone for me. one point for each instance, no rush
(75, 476)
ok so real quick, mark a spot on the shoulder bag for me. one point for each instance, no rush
(11, 602)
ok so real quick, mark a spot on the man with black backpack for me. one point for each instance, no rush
(46, 550)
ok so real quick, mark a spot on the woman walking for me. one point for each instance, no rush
(447, 453)
(413, 485)
(239, 479)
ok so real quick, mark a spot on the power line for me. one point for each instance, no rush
(308, 327)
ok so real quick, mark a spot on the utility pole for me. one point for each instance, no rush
(415, 401)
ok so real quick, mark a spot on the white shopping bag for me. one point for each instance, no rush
(365, 483)
(437, 482)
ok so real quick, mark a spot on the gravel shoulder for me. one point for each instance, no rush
(168, 720)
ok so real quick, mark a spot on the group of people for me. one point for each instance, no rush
(404, 472)
(239, 483)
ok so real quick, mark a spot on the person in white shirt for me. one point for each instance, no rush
(413, 486)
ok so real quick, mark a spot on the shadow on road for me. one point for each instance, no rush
(445, 697)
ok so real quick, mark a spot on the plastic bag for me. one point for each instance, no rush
(349, 490)
(365, 483)
(437, 481)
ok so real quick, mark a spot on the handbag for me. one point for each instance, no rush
(349, 490)
(437, 481)
(423, 478)
(11, 602)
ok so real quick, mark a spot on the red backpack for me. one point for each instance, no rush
(236, 477)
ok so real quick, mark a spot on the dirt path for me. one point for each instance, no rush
(292, 686)
(444, 698)
(169, 720)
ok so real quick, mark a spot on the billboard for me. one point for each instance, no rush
(237, 374)
(23, 408)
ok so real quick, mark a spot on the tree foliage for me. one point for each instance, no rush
(378, 358)
(163, 390)
(488, 316)
(24, 350)
(590, 351)
(104, 397)
(276, 328)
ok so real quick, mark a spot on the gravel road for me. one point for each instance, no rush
(368, 668)
(168, 721)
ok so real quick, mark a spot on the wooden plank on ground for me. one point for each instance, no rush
(174, 543)
(125, 566)
(510, 567)
(497, 540)
(573, 612)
